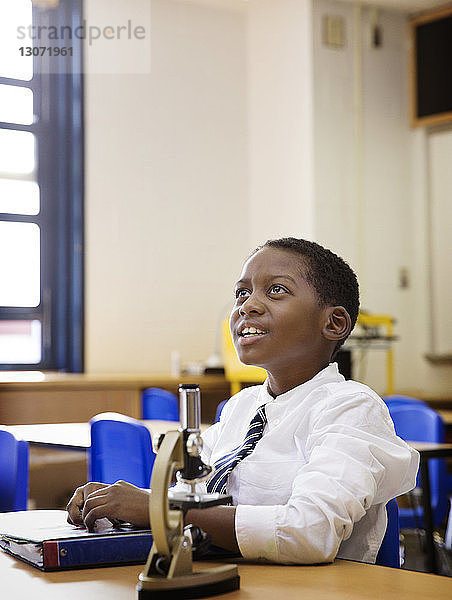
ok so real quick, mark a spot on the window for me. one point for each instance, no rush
(41, 191)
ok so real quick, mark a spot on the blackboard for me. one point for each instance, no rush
(432, 68)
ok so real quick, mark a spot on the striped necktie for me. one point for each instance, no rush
(224, 465)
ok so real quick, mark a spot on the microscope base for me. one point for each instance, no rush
(200, 584)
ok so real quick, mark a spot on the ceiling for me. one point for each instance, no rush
(408, 6)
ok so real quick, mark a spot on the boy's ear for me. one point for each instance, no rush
(338, 323)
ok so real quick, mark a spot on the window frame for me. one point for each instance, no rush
(59, 135)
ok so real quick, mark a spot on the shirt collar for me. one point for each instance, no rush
(329, 374)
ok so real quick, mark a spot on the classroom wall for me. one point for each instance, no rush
(280, 119)
(248, 127)
(381, 192)
(166, 191)
(362, 168)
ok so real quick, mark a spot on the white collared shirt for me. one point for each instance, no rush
(317, 482)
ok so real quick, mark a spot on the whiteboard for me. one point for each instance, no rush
(440, 237)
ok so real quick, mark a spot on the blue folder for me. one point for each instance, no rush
(44, 539)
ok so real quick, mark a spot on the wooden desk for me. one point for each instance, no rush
(74, 436)
(35, 397)
(342, 580)
(427, 451)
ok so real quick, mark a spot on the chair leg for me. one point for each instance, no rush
(401, 549)
(448, 535)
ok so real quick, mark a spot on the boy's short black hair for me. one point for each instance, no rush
(331, 277)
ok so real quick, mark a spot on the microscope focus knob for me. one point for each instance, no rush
(157, 440)
(194, 444)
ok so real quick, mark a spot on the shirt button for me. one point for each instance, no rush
(276, 422)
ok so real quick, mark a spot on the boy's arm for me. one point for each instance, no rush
(355, 464)
(219, 522)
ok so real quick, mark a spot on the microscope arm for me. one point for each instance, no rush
(165, 522)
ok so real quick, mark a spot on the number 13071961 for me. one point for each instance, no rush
(42, 50)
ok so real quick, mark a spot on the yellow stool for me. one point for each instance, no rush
(234, 370)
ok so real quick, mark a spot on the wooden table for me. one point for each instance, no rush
(342, 580)
(428, 451)
(74, 436)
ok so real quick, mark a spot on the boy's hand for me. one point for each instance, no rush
(77, 502)
(119, 501)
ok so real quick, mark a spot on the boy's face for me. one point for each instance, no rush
(273, 297)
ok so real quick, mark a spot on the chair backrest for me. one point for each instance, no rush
(416, 421)
(13, 472)
(121, 448)
(394, 399)
(160, 405)
(219, 409)
(389, 552)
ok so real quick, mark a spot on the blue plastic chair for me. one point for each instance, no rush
(14, 460)
(394, 399)
(160, 405)
(416, 421)
(121, 448)
(219, 409)
(389, 552)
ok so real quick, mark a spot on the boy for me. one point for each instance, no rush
(324, 461)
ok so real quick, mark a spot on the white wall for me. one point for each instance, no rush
(362, 166)
(337, 180)
(280, 119)
(166, 193)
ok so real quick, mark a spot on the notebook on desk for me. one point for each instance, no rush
(44, 539)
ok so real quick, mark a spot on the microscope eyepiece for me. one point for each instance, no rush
(190, 407)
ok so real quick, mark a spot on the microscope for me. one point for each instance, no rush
(168, 572)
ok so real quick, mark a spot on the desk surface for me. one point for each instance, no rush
(430, 448)
(74, 435)
(33, 379)
(342, 580)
